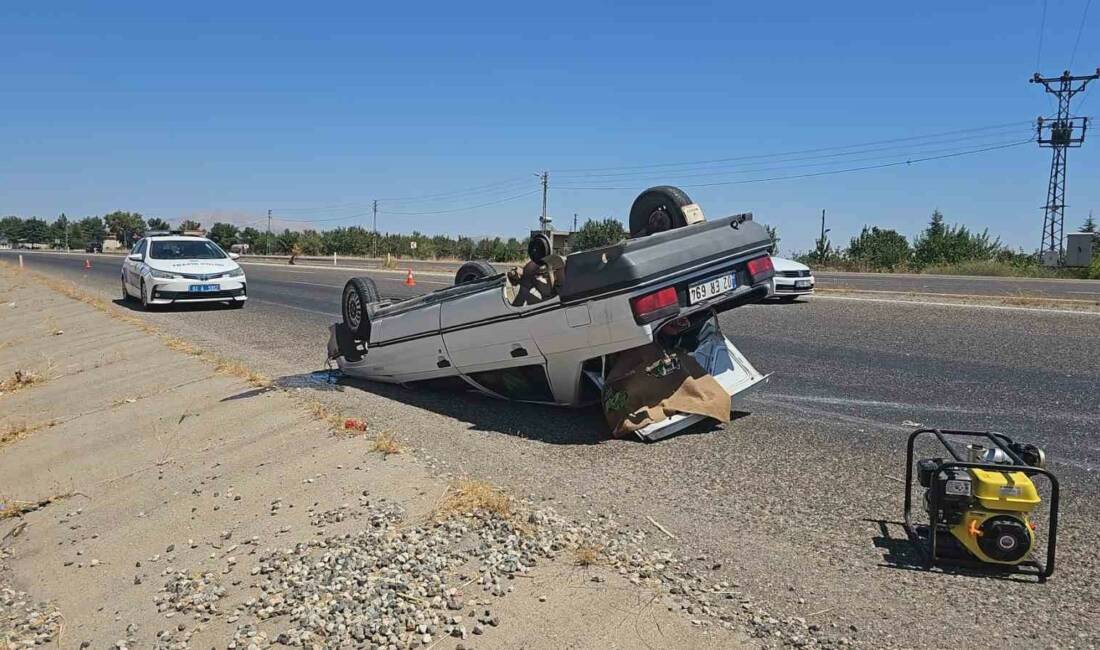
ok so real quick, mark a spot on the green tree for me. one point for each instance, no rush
(11, 228)
(1090, 226)
(189, 224)
(59, 230)
(36, 231)
(311, 243)
(128, 227)
(597, 234)
(76, 236)
(223, 234)
(773, 235)
(943, 244)
(879, 248)
(156, 223)
(92, 230)
(286, 242)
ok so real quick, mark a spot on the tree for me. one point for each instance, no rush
(286, 242)
(597, 234)
(128, 227)
(943, 244)
(879, 248)
(310, 243)
(1090, 226)
(188, 224)
(59, 229)
(156, 223)
(36, 231)
(223, 234)
(92, 230)
(773, 235)
(11, 228)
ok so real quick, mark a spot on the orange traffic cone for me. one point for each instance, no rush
(87, 263)
(409, 281)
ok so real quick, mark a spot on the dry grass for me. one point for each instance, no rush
(386, 444)
(321, 412)
(21, 379)
(14, 431)
(177, 344)
(468, 496)
(13, 508)
(587, 554)
(235, 368)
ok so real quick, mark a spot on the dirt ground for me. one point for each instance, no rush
(165, 461)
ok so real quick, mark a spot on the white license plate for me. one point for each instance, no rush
(802, 284)
(710, 288)
(202, 288)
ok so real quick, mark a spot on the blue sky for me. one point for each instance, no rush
(224, 110)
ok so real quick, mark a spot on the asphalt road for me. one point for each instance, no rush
(1061, 289)
(809, 473)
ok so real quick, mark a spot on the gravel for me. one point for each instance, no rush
(396, 583)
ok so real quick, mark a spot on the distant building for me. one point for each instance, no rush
(111, 244)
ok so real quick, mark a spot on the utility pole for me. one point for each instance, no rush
(1059, 135)
(544, 220)
(267, 240)
(821, 242)
(374, 240)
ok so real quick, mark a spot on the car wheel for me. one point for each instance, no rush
(358, 293)
(475, 270)
(658, 209)
(236, 304)
(787, 298)
(145, 304)
(126, 297)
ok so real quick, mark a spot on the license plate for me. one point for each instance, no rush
(201, 288)
(710, 288)
(802, 284)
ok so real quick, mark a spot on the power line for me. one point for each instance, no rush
(1080, 29)
(468, 207)
(917, 148)
(910, 161)
(794, 153)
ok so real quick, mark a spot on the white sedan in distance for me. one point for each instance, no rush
(792, 279)
(164, 269)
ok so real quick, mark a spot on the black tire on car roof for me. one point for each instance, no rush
(358, 293)
(474, 270)
(658, 209)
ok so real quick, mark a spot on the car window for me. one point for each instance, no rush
(140, 248)
(174, 249)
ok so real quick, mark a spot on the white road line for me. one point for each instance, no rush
(285, 306)
(1087, 293)
(314, 284)
(358, 269)
(957, 304)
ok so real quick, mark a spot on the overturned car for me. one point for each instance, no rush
(632, 326)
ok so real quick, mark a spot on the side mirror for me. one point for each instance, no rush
(234, 256)
(134, 256)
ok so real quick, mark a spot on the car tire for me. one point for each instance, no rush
(787, 298)
(236, 304)
(126, 297)
(358, 293)
(658, 209)
(145, 298)
(473, 271)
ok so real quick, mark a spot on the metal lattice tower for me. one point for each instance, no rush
(1059, 134)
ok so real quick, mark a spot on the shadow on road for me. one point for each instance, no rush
(550, 424)
(135, 305)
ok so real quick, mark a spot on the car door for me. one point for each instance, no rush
(490, 343)
(132, 268)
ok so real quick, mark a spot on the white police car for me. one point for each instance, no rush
(163, 269)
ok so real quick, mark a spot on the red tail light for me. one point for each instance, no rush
(655, 305)
(760, 268)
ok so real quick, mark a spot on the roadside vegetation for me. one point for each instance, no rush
(940, 248)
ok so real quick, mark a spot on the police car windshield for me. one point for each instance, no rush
(178, 249)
